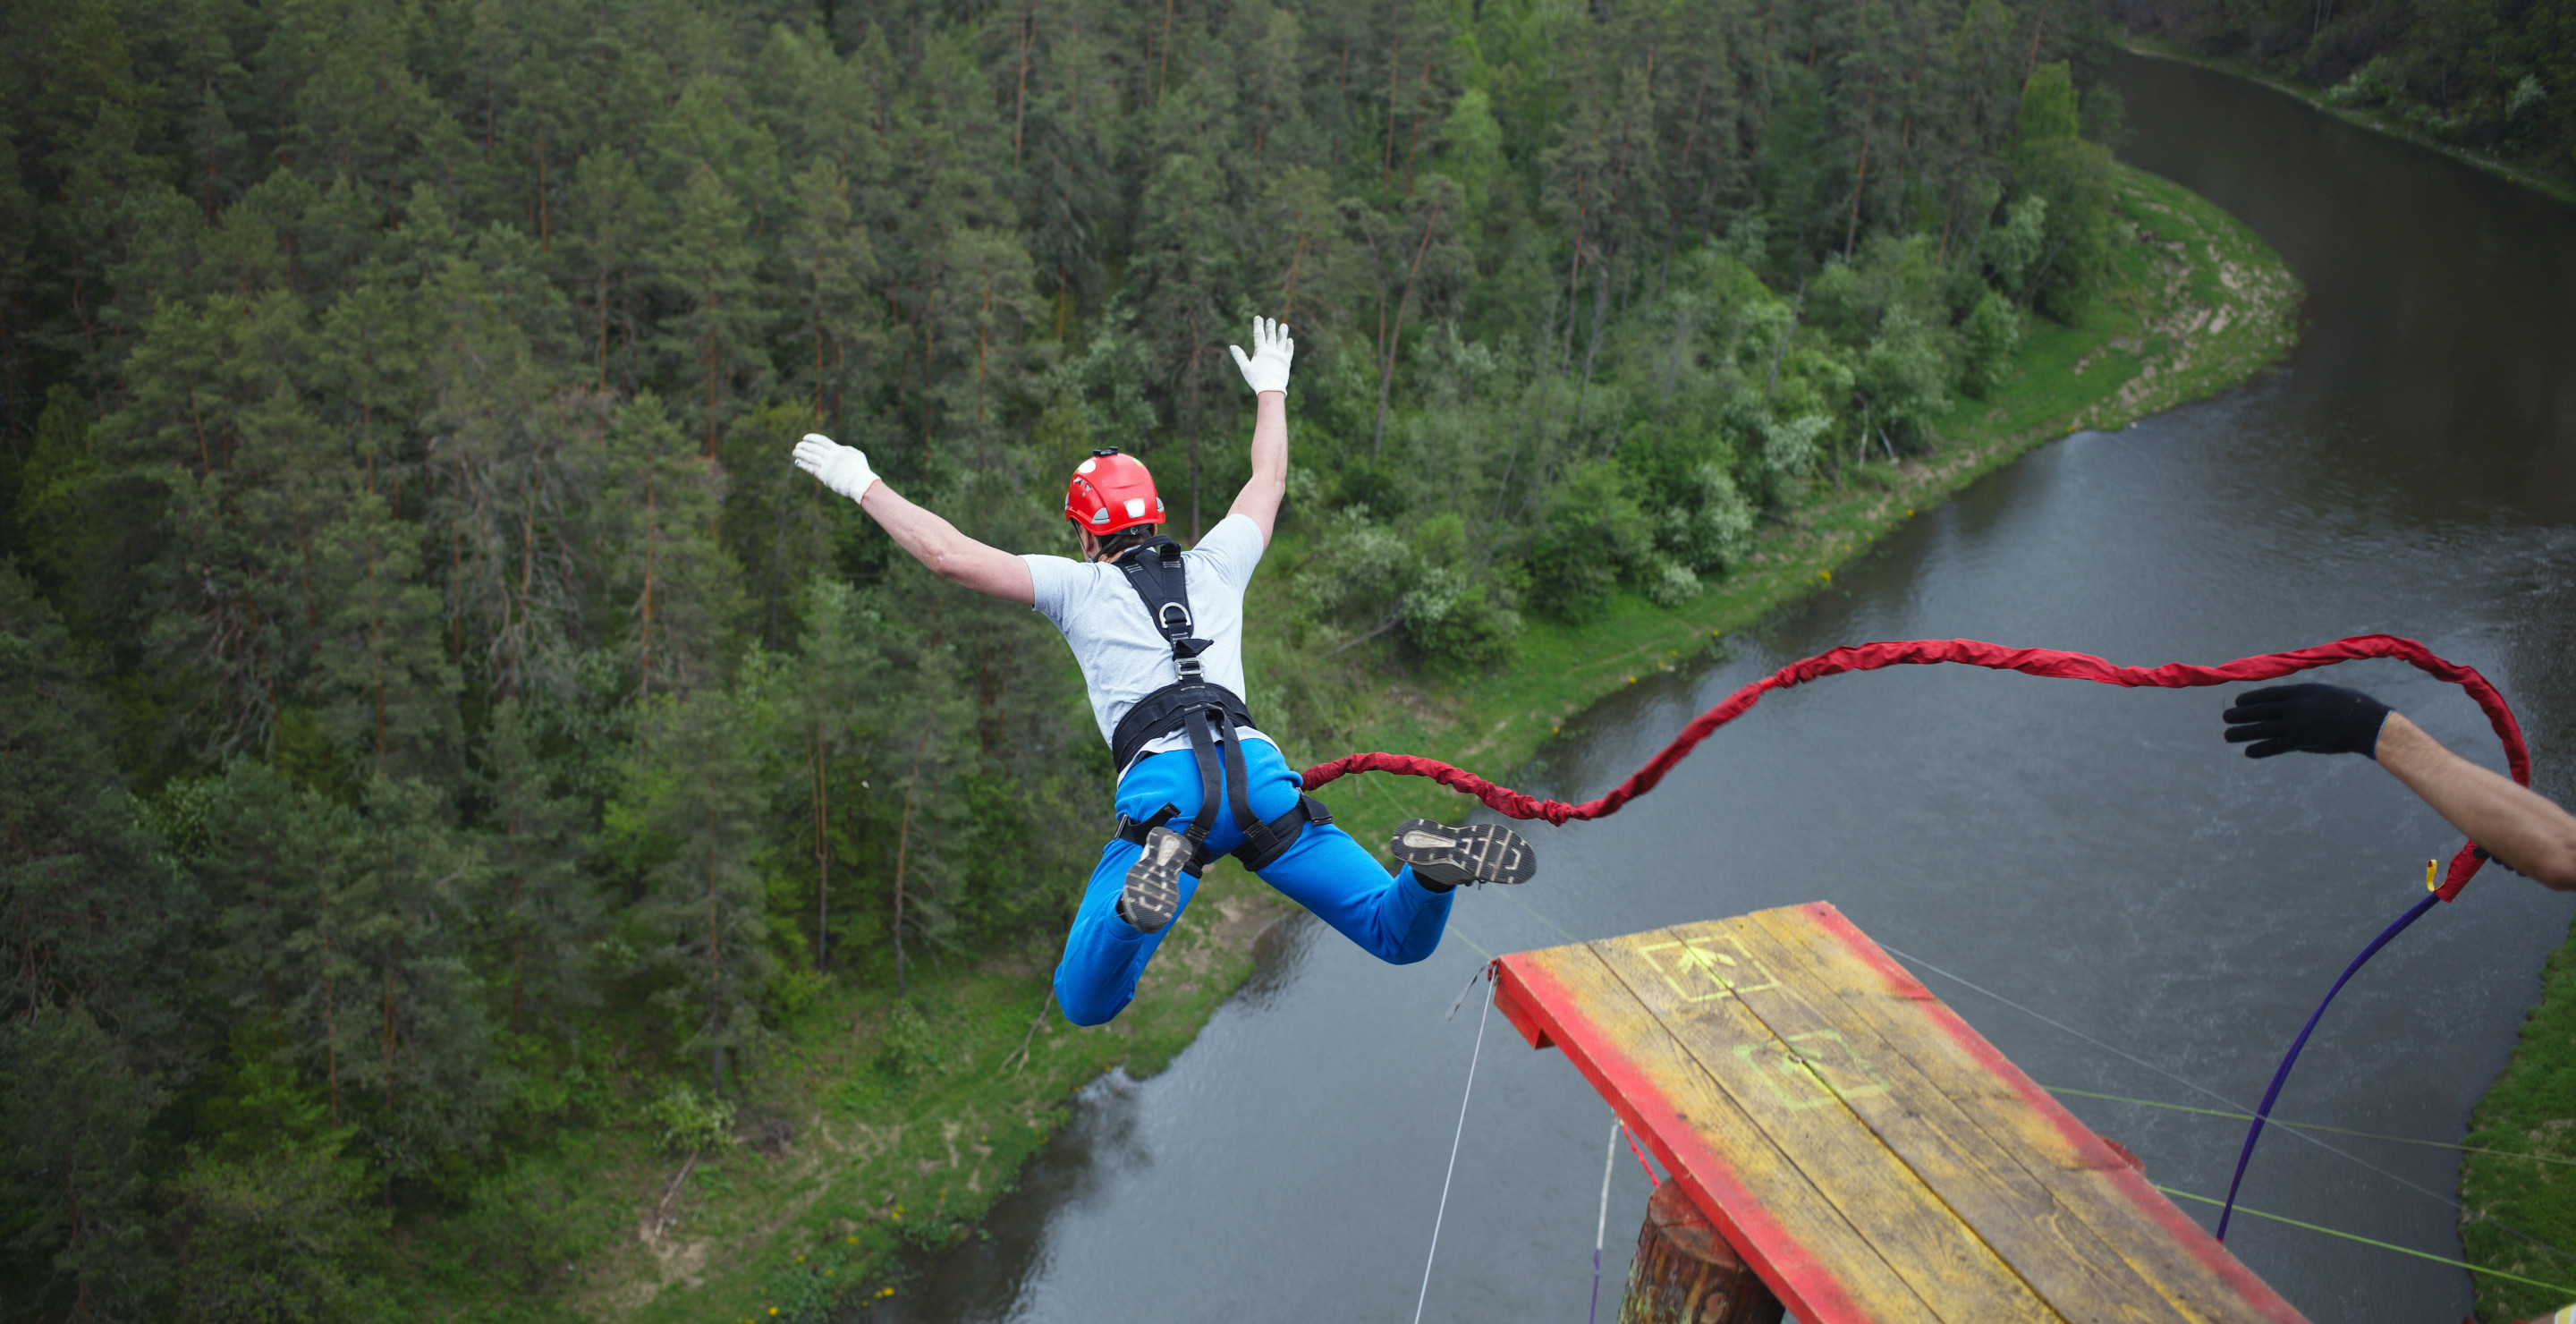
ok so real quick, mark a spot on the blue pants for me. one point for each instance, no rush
(1397, 919)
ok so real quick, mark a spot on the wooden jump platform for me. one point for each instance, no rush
(1865, 1152)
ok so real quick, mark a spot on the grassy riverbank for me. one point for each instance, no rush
(2521, 1168)
(876, 1130)
(2377, 118)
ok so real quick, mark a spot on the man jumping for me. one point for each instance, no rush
(1158, 633)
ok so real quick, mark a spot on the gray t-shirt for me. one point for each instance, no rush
(1123, 657)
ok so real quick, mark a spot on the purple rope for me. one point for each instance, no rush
(2290, 1059)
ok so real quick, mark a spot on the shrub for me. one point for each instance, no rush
(908, 1049)
(1672, 584)
(2375, 83)
(279, 1236)
(1592, 537)
(1454, 622)
(1988, 336)
(1710, 527)
(689, 1123)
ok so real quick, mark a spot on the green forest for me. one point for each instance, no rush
(436, 720)
(2496, 77)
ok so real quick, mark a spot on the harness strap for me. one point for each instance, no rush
(1154, 570)
(1263, 841)
(1202, 730)
(1164, 711)
(1235, 777)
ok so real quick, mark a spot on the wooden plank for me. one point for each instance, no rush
(1696, 980)
(2009, 1206)
(1996, 1187)
(1823, 1269)
(1866, 1151)
(1873, 995)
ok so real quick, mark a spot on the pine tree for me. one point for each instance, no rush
(386, 687)
(692, 816)
(432, 1081)
(839, 673)
(74, 1224)
(655, 516)
(244, 836)
(538, 910)
(607, 218)
(87, 913)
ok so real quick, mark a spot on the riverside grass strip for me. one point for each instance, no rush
(2529, 1110)
(881, 1171)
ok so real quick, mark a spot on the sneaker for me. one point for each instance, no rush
(1153, 893)
(1443, 857)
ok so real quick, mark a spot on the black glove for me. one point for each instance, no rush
(2312, 719)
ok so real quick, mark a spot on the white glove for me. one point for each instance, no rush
(1266, 368)
(844, 469)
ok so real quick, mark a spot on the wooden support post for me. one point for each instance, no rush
(1685, 1273)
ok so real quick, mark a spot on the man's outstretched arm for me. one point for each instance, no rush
(1265, 369)
(2522, 829)
(933, 541)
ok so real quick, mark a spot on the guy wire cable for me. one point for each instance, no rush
(1465, 1095)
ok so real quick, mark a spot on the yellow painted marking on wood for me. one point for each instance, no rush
(1894, 1154)
(1702, 969)
(1820, 1066)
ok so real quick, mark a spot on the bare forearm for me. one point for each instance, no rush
(1259, 499)
(2516, 824)
(1270, 437)
(944, 551)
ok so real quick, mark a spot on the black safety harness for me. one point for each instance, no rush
(1210, 714)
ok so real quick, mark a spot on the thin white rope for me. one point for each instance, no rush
(2197, 1088)
(1601, 1230)
(1470, 1091)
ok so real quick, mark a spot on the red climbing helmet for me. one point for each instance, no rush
(1110, 492)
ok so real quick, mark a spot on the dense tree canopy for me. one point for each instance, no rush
(424, 682)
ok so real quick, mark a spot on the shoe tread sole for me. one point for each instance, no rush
(1153, 891)
(1476, 853)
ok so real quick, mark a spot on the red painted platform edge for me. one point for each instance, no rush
(1547, 1013)
(1507, 999)
(2118, 1168)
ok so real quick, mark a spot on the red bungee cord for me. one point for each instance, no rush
(2035, 662)
(1975, 653)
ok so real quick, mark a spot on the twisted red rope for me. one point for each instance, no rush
(1970, 652)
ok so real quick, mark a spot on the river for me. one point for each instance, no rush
(2096, 854)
